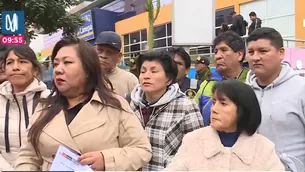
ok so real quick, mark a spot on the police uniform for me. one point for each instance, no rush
(133, 70)
(190, 86)
(205, 73)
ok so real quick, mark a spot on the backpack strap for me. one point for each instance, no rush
(208, 81)
(35, 101)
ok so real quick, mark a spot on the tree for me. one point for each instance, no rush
(49, 15)
(151, 20)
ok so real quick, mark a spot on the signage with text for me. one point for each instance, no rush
(86, 31)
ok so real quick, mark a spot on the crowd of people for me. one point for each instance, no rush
(240, 25)
(155, 118)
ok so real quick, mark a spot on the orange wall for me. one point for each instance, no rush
(140, 21)
(299, 17)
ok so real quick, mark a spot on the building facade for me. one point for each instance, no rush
(287, 16)
(291, 13)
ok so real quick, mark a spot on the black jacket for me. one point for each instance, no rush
(239, 25)
(257, 23)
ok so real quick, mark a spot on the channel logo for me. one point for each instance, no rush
(12, 22)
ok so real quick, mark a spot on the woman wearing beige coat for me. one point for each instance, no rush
(230, 143)
(85, 116)
(18, 99)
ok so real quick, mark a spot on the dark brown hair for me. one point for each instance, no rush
(249, 114)
(23, 52)
(96, 81)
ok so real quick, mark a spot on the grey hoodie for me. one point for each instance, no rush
(283, 122)
(172, 93)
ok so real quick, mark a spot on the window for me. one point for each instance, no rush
(219, 20)
(204, 50)
(163, 36)
(135, 47)
(135, 42)
(126, 39)
(160, 31)
(160, 43)
(134, 37)
(169, 29)
(169, 41)
(217, 31)
(144, 36)
(127, 49)
(223, 16)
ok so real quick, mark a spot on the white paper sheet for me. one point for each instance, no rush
(66, 160)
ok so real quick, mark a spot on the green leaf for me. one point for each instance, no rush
(49, 15)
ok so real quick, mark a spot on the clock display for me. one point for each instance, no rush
(9, 40)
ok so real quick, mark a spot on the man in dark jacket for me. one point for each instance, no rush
(183, 61)
(256, 22)
(239, 25)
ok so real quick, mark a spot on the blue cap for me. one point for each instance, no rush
(109, 38)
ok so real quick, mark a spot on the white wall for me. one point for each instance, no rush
(37, 44)
(278, 14)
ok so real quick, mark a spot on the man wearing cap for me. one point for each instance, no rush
(202, 68)
(108, 45)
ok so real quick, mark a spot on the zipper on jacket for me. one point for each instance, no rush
(156, 112)
(6, 127)
(15, 98)
(142, 118)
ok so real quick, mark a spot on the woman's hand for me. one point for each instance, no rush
(94, 159)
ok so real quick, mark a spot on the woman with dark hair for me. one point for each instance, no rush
(230, 142)
(85, 115)
(165, 112)
(18, 99)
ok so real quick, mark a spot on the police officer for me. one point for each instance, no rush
(183, 61)
(133, 67)
(202, 68)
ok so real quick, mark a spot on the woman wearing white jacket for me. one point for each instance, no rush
(18, 99)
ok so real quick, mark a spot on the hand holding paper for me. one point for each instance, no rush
(95, 159)
(67, 160)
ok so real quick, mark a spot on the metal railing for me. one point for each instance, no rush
(208, 51)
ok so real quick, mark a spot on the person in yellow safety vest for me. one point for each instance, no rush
(229, 57)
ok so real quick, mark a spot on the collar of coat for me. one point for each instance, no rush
(244, 147)
(87, 119)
